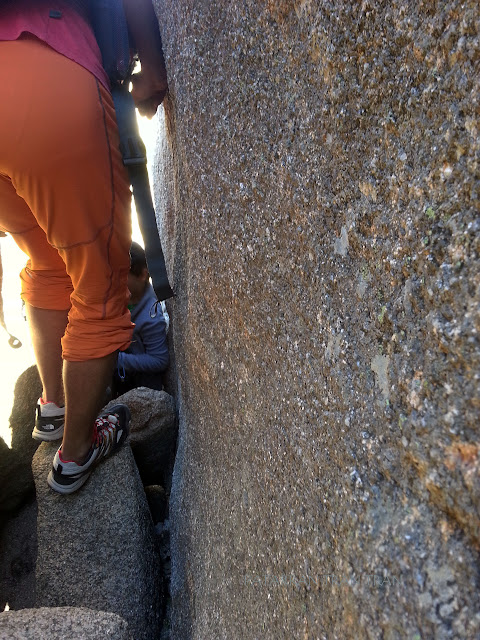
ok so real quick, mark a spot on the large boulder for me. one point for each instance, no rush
(62, 623)
(96, 547)
(28, 389)
(152, 432)
(318, 192)
(16, 480)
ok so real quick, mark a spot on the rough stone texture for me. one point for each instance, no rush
(18, 553)
(28, 389)
(317, 182)
(59, 623)
(96, 547)
(162, 531)
(152, 431)
(16, 480)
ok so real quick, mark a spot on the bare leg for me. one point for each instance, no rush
(85, 384)
(47, 327)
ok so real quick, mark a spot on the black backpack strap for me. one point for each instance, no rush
(135, 159)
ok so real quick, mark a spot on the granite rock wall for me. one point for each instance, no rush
(317, 181)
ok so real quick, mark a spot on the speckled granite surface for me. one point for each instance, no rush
(318, 186)
(57, 623)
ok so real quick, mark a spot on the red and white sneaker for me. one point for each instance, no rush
(110, 433)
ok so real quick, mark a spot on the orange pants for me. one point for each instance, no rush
(64, 195)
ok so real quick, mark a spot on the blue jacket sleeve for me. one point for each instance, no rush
(154, 341)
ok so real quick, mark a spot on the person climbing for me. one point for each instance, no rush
(143, 363)
(65, 199)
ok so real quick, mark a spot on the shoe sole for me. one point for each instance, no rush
(41, 436)
(66, 489)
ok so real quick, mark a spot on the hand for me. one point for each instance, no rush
(148, 91)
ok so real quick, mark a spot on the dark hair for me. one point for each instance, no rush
(137, 259)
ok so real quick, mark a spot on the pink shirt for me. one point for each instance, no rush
(58, 25)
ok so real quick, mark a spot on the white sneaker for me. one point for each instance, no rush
(49, 422)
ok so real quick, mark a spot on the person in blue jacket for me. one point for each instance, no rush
(143, 363)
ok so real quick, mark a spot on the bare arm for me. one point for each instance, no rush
(150, 85)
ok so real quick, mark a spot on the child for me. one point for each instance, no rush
(142, 364)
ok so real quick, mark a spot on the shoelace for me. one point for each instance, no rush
(104, 433)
